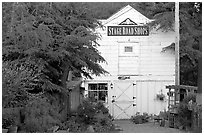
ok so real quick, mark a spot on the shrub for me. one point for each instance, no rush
(101, 107)
(73, 125)
(38, 116)
(164, 114)
(103, 123)
(103, 128)
(7, 121)
(184, 114)
(86, 112)
(9, 117)
(89, 113)
(17, 80)
(139, 119)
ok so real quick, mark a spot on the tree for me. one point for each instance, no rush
(17, 81)
(54, 37)
(191, 38)
(47, 40)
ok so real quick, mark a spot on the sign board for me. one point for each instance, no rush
(128, 31)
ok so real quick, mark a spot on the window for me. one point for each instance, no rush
(98, 92)
(128, 49)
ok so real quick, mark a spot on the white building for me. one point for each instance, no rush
(139, 67)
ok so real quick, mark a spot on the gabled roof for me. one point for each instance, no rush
(123, 11)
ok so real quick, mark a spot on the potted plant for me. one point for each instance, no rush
(160, 96)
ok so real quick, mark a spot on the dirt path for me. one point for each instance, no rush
(129, 127)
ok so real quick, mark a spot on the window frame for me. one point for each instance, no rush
(99, 88)
(128, 49)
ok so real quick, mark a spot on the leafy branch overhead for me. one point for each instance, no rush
(54, 37)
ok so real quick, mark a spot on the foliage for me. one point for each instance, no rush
(191, 96)
(184, 114)
(164, 114)
(160, 96)
(42, 18)
(42, 42)
(100, 107)
(103, 120)
(163, 15)
(190, 41)
(73, 125)
(40, 116)
(89, 113)
(104, 125)
(197, 119)
(18, 81)
(9, 117)
(86, 112)
(55, 37)
(7, 121)
(139, 119)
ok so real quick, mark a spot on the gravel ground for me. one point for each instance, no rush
(128, 127)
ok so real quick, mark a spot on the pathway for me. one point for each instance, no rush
(128, 127)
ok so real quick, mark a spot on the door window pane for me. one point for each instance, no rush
(98, 92)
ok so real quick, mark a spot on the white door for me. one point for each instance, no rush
(123, 101)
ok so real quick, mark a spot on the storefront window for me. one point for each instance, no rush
(98, 92)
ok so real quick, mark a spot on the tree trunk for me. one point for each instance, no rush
(199, 95)
(66, 99)
(64, 76)
(200, 75)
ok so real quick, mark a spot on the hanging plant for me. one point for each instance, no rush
(160, 96)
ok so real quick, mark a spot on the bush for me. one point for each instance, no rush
(17, 80)
(89, 113)
(7, 121)
(10, 117)
(102, 108)
(139, 119)
(103, 123)
(86, 112)
(184, 114)
(73, 125)
(39, 116)
(164, 114)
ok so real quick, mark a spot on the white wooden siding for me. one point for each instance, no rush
(146, 96)
(149, 67)
(150, 58)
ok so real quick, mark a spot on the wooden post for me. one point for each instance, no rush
(177, 77)
(70, 75)
(177, 81)
(199, 94)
